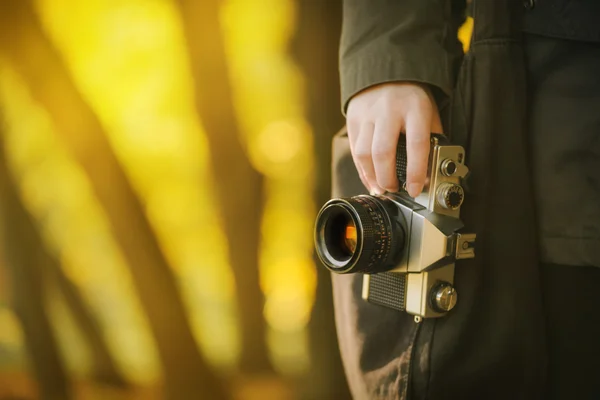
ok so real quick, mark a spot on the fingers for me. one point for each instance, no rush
(364, 157)
(418, 129)
(353, 131)
(385, 141)
(375, 119)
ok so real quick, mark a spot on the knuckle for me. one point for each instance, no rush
(353, 118)
(383, 152)
(418, 141)
(417, 146)
(367, 123)
(362, 154)
(387, 107)
(424, 105)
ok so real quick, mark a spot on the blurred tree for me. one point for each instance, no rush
(315, 46)
(239, 186)
(34, 57)
(26, 261)
(104, 366)
(50, 272)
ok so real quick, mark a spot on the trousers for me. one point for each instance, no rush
(564, 128)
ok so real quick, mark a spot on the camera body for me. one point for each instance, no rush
(406, 248)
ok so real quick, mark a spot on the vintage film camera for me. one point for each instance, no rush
(406, 248)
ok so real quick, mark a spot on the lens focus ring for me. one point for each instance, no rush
(377, 233)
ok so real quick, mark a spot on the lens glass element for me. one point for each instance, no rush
(340, 235)
(350, 237)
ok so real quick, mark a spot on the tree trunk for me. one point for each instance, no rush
(30, 52)
(239, 186)
(316, 49)
(26, 260)
(104, 366)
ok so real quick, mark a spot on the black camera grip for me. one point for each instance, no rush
(402, 160)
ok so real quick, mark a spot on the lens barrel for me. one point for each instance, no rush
(379, 237)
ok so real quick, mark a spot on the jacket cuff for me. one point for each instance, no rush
(364, 70)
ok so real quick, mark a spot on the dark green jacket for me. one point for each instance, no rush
(491, 345)
(391, 40)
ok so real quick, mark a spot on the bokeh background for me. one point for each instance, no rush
(161, 166)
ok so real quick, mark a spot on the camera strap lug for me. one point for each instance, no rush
(465, 245)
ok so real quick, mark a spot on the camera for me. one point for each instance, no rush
(405, 247)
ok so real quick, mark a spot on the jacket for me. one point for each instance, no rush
(563, 19)
(491, 345)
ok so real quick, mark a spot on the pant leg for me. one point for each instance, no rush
(564, 110)
(572, 310)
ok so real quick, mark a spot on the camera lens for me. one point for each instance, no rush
(358, 234)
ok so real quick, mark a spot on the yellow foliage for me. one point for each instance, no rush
(129, 60)
(10, 334)
(269, 98)
(75, 227)
(465, 32)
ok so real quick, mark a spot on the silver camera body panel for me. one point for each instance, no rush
(425, 272)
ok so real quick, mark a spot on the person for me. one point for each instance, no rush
(525, 103)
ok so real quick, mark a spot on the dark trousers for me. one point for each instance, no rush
(564, 110)
(572, 331)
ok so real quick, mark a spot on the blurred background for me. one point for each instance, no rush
(161, 166)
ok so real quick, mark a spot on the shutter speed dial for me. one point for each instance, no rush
(450, 195)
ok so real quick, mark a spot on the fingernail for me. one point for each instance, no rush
(376, 191)
(414, 189)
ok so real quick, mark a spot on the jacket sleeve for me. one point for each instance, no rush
(399, 40)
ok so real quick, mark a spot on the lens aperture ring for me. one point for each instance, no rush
(377, 233)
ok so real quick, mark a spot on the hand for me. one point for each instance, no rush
(375, 119)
